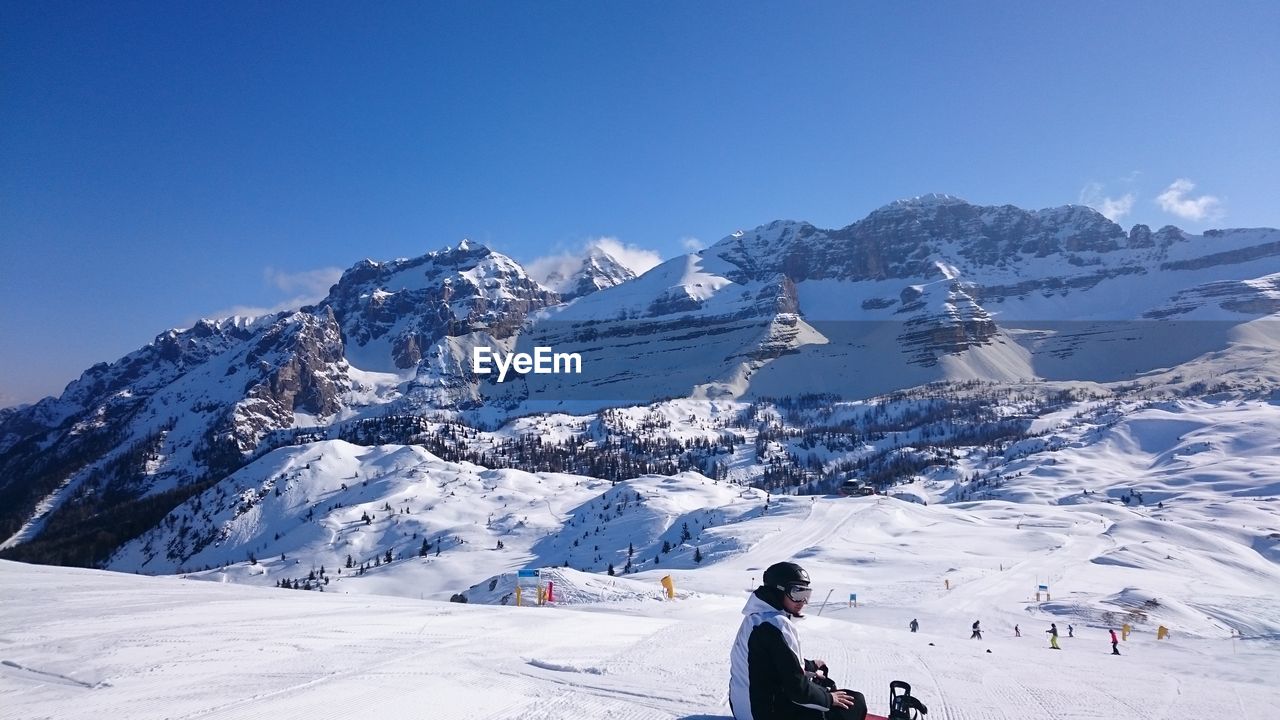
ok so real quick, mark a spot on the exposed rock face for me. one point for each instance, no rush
(904, 239)
(300, 369)
(1140, 237)
(406, 306)
(1230, 257)
(1260, 296)
(955, 323)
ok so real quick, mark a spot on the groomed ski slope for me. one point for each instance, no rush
(87, 644)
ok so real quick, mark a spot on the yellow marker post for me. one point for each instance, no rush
(1162, 632)
(528, 577)
(1124, 632)
(670, 586)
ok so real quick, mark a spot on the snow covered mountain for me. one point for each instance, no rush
(195, 404)
(931, 289)
(599, 270)
(921, 290)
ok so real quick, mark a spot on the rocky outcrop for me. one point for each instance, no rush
(407, 306)
(300, 367)
(1230, 257)
(1260, 296)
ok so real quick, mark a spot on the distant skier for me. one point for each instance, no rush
(1115, 643)
(1017, 632)
(977, 631)
(1053, 636)
(915, 625)
(1071, 631)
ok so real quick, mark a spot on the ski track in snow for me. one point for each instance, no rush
(20, 671)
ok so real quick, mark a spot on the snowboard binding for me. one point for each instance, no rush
(902, 704)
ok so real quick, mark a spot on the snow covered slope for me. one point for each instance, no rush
(131, 649)
(1113, 506)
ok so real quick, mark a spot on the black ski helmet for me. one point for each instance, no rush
(784, 574)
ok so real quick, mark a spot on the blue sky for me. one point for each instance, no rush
(160, 162)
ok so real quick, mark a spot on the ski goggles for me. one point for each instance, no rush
(798, 593)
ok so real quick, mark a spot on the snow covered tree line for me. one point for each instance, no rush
(805, 444)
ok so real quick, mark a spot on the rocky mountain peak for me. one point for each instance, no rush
(399, 309)
(599, 270)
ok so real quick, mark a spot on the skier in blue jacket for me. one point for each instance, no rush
(769, 679)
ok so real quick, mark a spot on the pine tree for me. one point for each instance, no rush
(610, 571)
(387, 556)
(666, 546)
(697, 554)
(350, 562)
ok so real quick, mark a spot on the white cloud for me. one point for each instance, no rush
(551, 269)
(692, 244)
(307, 283)
(638, 259)
(307, 287)
(1111, 208)
(255, 311)
(1176, 200)
(1115, 208)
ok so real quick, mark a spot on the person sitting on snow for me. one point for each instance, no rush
(769, 679)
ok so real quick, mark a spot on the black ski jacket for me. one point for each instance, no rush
(767, 675)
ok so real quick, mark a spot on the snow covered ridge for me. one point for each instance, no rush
(932, 290)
